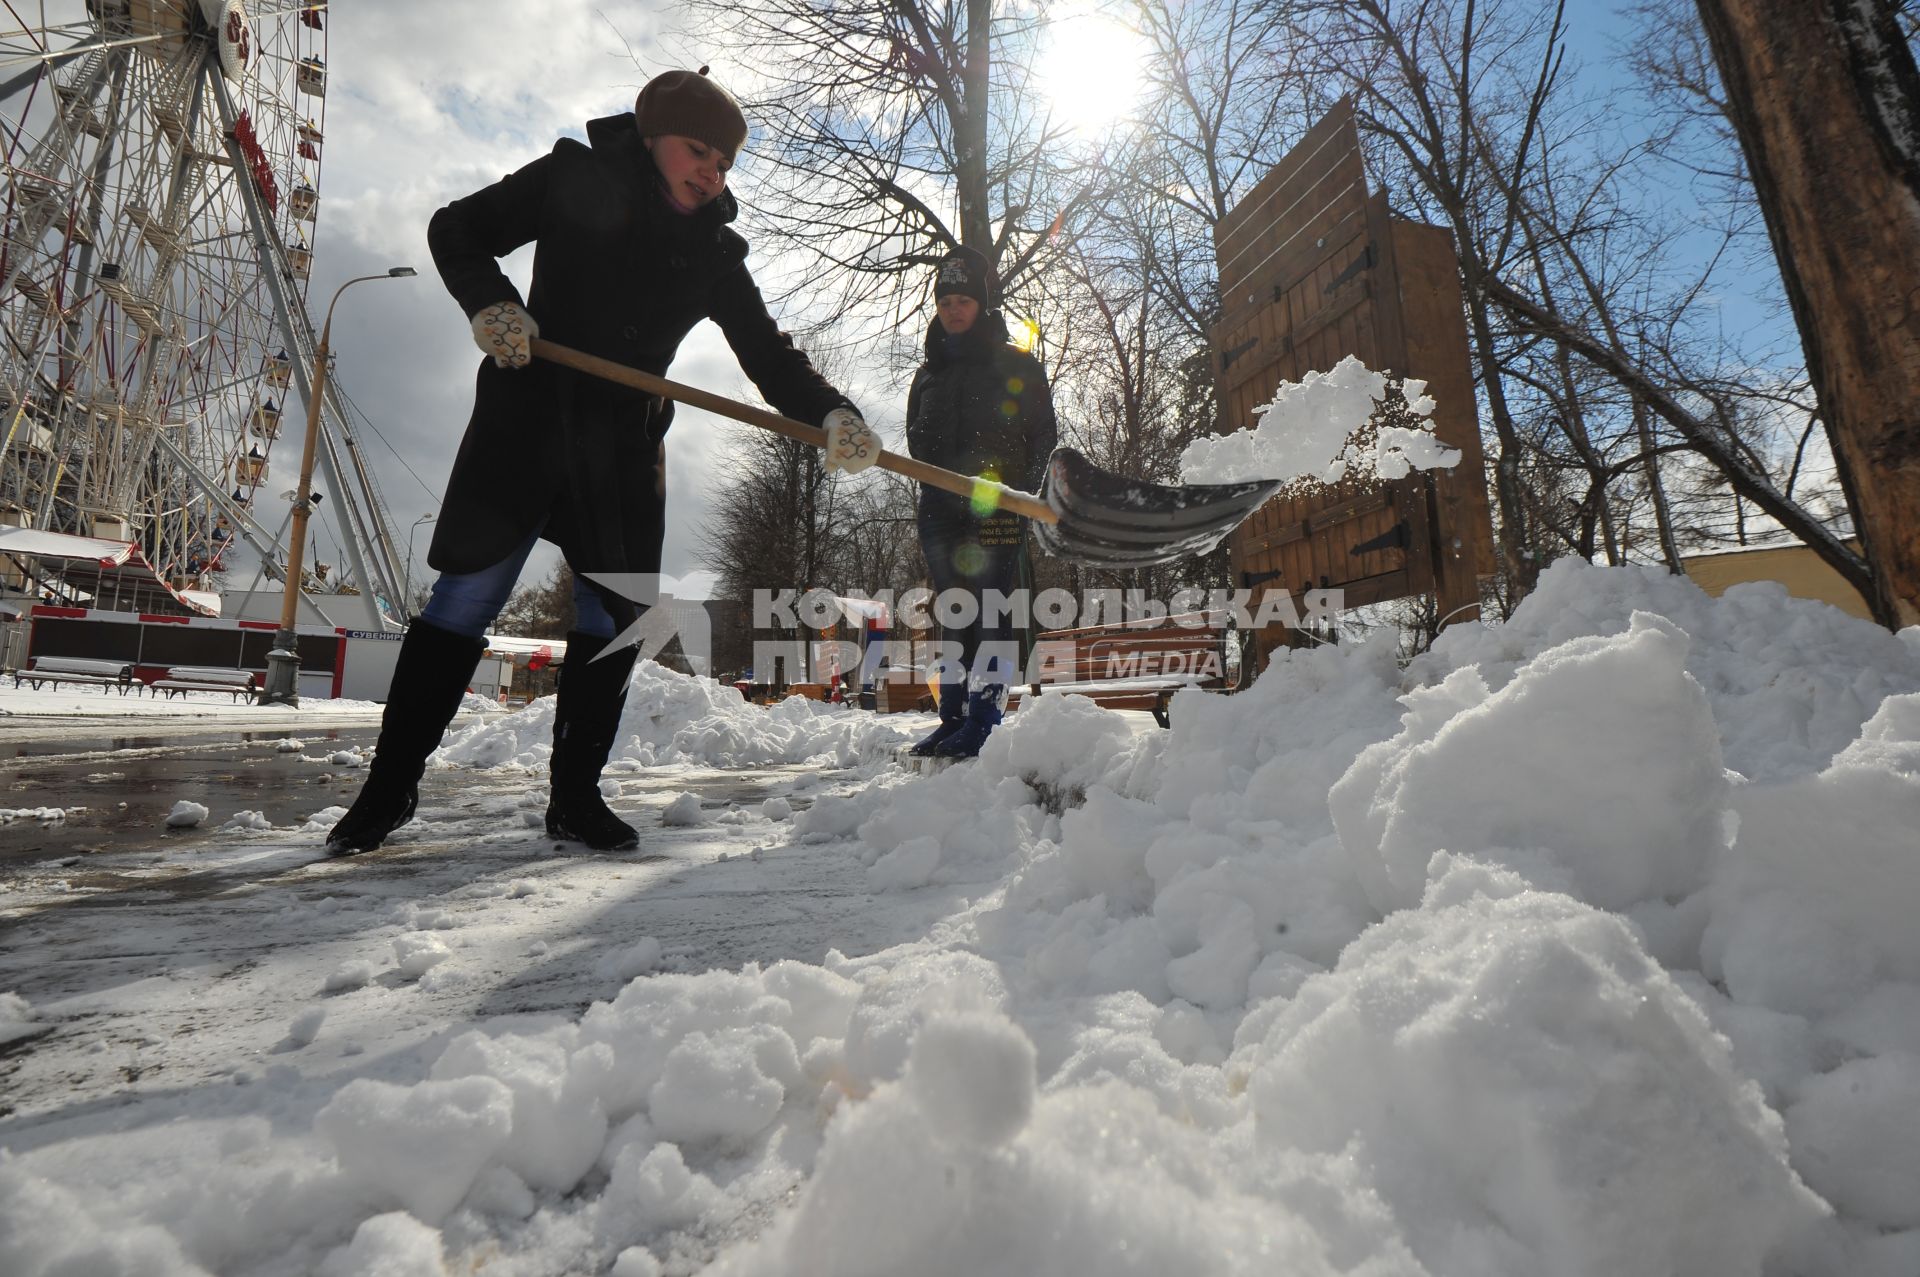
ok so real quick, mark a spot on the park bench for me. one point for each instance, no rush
(1139, 664)
(182, 679)
(107, 675)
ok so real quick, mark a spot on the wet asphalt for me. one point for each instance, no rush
(117, 787)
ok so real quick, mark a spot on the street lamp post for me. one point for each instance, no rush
(283, 662)
(407, 589)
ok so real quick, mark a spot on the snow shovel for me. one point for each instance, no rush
(1083, 512)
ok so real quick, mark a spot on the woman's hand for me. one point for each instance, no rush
(506, 332)
(851, 447)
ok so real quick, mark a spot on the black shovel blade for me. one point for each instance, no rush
(1114, 521)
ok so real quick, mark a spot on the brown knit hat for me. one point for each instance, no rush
(687, 103)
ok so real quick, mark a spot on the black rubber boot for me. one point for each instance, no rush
(983, 715)
(953, 712)
(431, 676)
(585, 723)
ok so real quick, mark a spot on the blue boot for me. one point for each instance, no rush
(983, 715)
(953, 713)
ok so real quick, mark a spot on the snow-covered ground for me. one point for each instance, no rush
(1586, 944)
(19, 705)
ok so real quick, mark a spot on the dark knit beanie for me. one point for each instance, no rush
(688, 104)
(966, 272)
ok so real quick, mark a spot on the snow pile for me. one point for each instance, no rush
(186, 814)
(1323, 429)
(1550, 790)
(675, 718)
(1575, 759)
(1581, 945)
(1816, 904)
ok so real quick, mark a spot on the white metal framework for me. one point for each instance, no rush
(161, 167)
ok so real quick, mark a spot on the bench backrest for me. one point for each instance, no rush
(206, 674)
(82, 665)
(1205, 657)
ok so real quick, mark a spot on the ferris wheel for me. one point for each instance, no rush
(161, 166)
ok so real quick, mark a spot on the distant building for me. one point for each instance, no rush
(1794, 566)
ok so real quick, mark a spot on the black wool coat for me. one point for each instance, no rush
(984, 408)
(616, 273)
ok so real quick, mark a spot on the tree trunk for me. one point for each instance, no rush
(970, 132)
(1826, 100)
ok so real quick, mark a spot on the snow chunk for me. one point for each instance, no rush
(723, 1086)
(1854, 1133)
(559, 1124)
(684, 811)
(1597, 768)
(423, 1145)
(635, 1261)
(391, 1245)
(418, 953)
(45, 815)
(973, 1076)
(830, 817)
(650, 1189)
(16, 1018)
(323, 821)
(185, 815)
(306, 1026)
(249, 822)
(637, 959)
(1318, 429)
(348, 975)
(909, 865)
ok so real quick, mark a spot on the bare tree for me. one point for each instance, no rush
(541, 611)
(895, 130)
(1596, 348)
(772, 522)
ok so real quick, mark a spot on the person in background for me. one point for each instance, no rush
(978, 406)
(632, 249)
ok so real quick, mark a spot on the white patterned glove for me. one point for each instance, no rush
(851, 447)
(506, 332)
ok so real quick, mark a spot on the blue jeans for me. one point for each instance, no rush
(466, 603)
(964, 552)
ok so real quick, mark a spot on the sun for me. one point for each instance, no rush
(1091, 69)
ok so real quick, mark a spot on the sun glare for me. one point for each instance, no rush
(1091, 68)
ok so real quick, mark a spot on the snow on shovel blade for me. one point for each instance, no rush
(1108, 519)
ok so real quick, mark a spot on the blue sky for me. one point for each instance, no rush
(434, 98)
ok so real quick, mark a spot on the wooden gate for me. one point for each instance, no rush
(1313, 269)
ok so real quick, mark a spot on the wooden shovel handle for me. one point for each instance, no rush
(997, 495)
